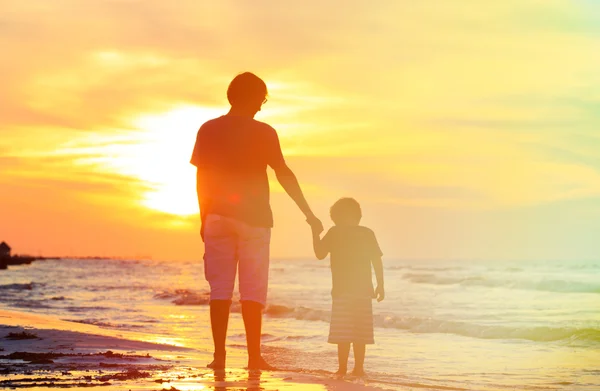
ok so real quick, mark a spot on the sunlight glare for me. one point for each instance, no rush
(164, 340)
(162, 158)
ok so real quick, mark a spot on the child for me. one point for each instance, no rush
(353, 249)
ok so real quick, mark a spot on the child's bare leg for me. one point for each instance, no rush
(343, 353)
(359, 359)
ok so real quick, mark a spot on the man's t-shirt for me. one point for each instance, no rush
(232, 154)
(351, 249)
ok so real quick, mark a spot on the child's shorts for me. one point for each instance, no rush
(351, 320)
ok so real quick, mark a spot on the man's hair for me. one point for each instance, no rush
(346, 210)
(246, 88)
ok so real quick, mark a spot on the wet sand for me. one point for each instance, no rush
(44, 353)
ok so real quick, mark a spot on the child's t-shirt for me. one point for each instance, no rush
(351, 250)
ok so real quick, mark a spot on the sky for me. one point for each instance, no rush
(467, 130)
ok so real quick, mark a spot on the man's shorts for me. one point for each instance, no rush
(231, 244)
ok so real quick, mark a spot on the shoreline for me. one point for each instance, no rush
(21, 259)
(42, 351)
(24, 259)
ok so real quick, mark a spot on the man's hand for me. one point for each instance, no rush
(380, 293)
(315, 224)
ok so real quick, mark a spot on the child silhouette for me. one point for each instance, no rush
(353, 249)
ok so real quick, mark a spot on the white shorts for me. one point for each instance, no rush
(229, 242)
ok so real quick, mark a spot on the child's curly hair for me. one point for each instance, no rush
(346, 210)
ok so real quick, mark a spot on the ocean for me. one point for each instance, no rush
(453, 325)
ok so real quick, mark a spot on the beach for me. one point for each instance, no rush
(58, 354)
(443, 326)
(147, 146)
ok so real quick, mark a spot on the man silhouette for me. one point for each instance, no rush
(231, 154)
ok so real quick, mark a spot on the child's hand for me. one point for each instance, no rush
(379, 293)
(316, 230)
(315, 225)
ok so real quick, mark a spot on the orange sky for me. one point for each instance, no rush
(466, 130)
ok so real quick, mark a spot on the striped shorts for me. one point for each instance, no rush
(351, 320)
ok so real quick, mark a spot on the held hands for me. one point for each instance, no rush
(379, 293)
(315, 224)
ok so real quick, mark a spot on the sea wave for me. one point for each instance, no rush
(263, 337)
(83, 309)
(26, 303)
(424, 268)
(410, 324)
(544, 284)
(537, 334)
(430, 325)
(28, 286)
(124, 287)
(300, 313)
(184, 297)
(105, 324)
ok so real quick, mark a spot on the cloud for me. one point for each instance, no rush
(443, 105)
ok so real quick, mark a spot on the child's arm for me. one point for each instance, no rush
(318, 245)
(378, 267)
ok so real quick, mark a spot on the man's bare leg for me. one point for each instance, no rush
(252, 315)
(219, 319)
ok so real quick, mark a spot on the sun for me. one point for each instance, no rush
(160, 158)
(154, 152)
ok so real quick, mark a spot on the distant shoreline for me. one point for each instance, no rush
(15, 260)
(18, 259)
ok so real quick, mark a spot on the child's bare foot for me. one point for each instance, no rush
(340, 374)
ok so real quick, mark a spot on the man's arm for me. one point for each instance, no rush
(288, 181)
(201, 189)
(198, 159)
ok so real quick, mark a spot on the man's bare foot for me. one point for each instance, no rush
(217, 363)
(358, 372)
(260, 364)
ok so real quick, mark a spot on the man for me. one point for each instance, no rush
(231, 154)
